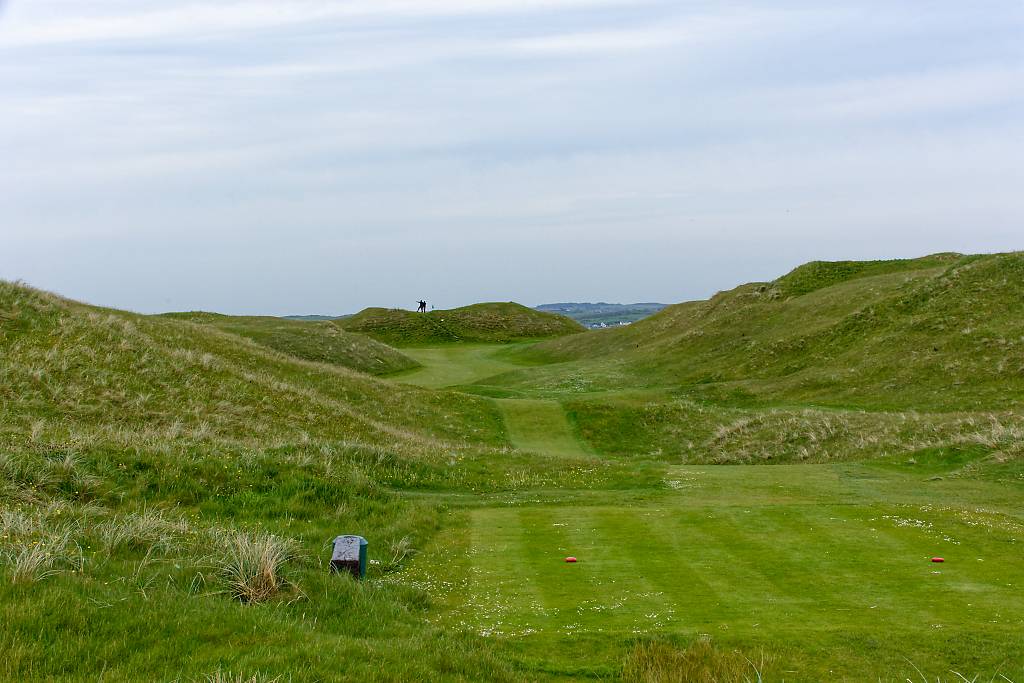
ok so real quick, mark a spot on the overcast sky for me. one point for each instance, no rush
(314, 156)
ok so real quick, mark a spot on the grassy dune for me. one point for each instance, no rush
(316, 341)
(832, 361)
(491, 322)
(917, 335)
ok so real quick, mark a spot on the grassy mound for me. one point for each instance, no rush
(820, 274)
(940, 333)
(490, 322)
(317, 341)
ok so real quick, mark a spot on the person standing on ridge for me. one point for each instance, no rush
(423, 307)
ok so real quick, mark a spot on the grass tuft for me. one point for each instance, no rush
(30, 560)
(700, 662)
(228, 677)
(252, 564)
(149, 530)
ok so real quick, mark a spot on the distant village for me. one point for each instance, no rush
(600, 325)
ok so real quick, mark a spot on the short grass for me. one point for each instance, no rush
(826, 568)
(794, 572)
(450, 365)
(539, 426)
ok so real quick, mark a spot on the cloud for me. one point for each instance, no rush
(137, 21)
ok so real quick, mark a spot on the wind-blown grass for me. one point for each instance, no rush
(699, 662)
(30, 552)
(252, 566)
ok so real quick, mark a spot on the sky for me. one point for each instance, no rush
(314, 156)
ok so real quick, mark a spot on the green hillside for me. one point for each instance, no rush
(317, 341)
(936, 333)
(830, 361)
(488, 322)
(169, 489)
(167, 495)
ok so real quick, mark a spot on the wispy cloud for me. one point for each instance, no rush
(141, 20)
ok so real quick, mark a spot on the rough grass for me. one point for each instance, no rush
(31, 555)
(923, 337)
(319, 342)
(228, 677)
(700, 662)
(252, 566)
(70, 373)
(696, 432)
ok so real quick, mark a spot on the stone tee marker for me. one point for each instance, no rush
(349, 555)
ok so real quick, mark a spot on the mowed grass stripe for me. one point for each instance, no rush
(724, 555)
(817, 557)
(504, 596)
(621, 595)
(455, 364)
(979, 567)
(539, 426)
(521, 583)
(673, 554)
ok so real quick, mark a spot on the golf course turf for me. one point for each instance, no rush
(814, 572)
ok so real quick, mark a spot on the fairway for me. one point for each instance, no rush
(829, 558)
(540, 426)
(818, 570)
(455, 364)
(534, 425)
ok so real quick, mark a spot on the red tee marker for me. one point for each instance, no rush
(571, 559)
(938, 559)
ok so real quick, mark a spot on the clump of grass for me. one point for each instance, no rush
(228, 677)
(252, 565)
(30, 477)
(958, 677)
(700, 662)
(401, 550)
(29, 560)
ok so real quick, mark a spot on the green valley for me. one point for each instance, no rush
(754, 488)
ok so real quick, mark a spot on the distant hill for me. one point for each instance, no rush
(320, 341)
(487, 322)
(603, 314)
(311, 318)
